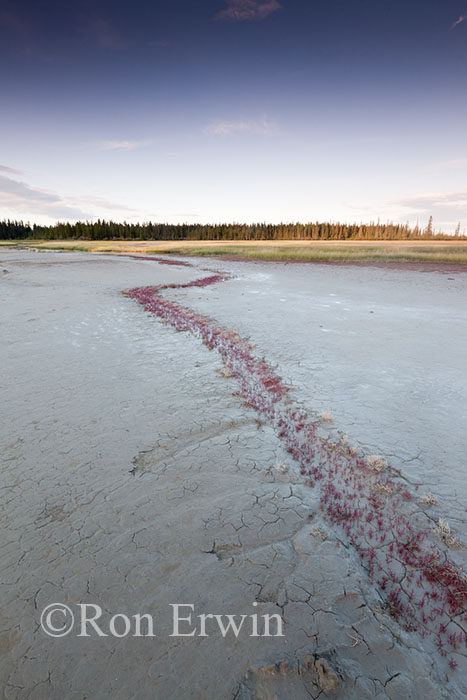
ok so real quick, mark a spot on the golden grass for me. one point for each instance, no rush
(454, 252)
(333, 253)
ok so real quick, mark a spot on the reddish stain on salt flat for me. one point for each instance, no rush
(162, 261)
(421, 587)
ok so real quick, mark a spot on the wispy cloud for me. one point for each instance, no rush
(248, 10)
(447, 209)
(459, 20)
(445, 164)
(428, 202)
(103, 33)
(99, 203)
(123, 145)
(20, 197)
(11, 21)
(17, 198)
(226, 128)
(11, 171)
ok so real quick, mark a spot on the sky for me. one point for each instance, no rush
(209, 111)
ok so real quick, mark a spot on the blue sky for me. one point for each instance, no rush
(234, 110)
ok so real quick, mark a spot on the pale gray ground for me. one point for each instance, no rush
(132, 478)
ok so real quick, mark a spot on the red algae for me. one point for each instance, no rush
(419, 585)
(162, 261)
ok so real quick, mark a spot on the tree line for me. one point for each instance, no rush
(317, 231)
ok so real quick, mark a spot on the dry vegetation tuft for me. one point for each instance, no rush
(376, 463)
(326, 417)
(427, 499)
(383, 489)
(316, 532)
(443, 530)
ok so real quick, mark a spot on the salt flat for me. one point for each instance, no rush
(133, 478)
(383, 350)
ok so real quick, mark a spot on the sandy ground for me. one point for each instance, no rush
(133, 478)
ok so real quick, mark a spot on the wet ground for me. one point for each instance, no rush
(133, 478)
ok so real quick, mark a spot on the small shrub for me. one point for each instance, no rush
(326, 417)
(376, 463)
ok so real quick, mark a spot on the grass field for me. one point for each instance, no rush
(454, 252)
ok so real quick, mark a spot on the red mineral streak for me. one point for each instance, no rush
(419, 585)
(162, 261)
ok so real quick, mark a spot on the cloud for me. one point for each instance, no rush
(123, 145)
(446, 164)
(10, 21)
(11, 171)
(22, 198)
(427, 202)
(446, 208)
(103, 33)
(17, 198)
(225, 128)
(459, 20)
(99, 202)
(25, 35)
(248, 10)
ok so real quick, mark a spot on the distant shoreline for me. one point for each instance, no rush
(423, 256)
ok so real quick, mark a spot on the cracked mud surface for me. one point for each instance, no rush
(133, 478)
